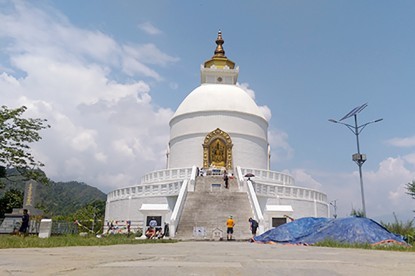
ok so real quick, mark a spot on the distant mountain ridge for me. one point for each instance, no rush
(63, 198)
(60, 198)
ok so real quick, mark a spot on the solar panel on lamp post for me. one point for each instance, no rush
(358, 158)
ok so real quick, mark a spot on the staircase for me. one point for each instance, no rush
(210, 205)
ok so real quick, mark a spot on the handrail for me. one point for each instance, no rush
(252, 199)
(193, 179)
(178, 207)
(255, 204)
(240, 177)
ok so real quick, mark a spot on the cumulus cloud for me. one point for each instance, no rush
(305, 179)
(280, 147)
(264, 109)
(384, 189)
(245, 87)
(410, 158)
(100, 125)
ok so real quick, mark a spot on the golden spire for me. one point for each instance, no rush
(219, 51)
(219, 60)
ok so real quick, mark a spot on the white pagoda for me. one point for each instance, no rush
(217, 129)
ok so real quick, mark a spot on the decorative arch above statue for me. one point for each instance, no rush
(217, 150)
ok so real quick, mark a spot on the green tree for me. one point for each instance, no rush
(91, 216)
(398, 227)
(16, 133)
(12, 198)
(411, 189)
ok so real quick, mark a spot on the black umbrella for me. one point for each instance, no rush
(249, 175)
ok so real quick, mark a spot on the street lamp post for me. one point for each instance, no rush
(358, 158)
(334, 204)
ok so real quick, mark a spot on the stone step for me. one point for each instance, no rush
(208, 207)
(215, 184)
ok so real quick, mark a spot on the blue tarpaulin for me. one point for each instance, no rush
(351, 230)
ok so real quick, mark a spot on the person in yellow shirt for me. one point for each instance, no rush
(230, 223)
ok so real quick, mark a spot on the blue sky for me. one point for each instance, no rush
(108, 75)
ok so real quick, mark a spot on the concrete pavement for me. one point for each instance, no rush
(204, 258)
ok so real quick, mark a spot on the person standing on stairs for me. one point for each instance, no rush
(230, 223)
(226, 179)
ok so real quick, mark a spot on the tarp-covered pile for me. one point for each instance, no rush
(350, 230)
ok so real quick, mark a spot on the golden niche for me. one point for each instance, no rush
(217, 150)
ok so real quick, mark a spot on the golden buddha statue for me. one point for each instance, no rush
(218, 154)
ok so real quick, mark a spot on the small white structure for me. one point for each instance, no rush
(45, 228)
(217, 127)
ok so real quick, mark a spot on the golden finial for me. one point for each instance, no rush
(219, 60)
(219, 51)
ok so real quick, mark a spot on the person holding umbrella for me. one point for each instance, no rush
(249, 175)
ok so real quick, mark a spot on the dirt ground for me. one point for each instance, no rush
(204, 258)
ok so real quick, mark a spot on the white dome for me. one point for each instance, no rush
(218, 97)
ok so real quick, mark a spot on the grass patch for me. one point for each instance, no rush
(7, 241)
(391, 247)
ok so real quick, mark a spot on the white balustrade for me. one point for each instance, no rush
(270, 176)
(166, 175)
(158, 183)
(274, 190)
(157, 189)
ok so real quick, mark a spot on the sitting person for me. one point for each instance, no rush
(150, 233)
(159, 234)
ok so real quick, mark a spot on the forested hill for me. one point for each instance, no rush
(63, 198)
(60, 198)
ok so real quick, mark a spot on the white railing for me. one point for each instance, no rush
(156, 189)
(241, 179)
(257, 209)
(166, 175)
(274, 190)
(181, 199)
(252, 199)
(270, 176)
(192, 182)
(178, 209)
(158, 183)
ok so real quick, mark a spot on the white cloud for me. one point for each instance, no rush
(280, 148)
(384, 189)
(410, 158)
(84, 141)
(249, 91)
(104, 132)
(266, 112)
(264, 109)
(303, 178)
(149, 54)
(402, 142)
(101, 157)
(149, 28)
(8, 79)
